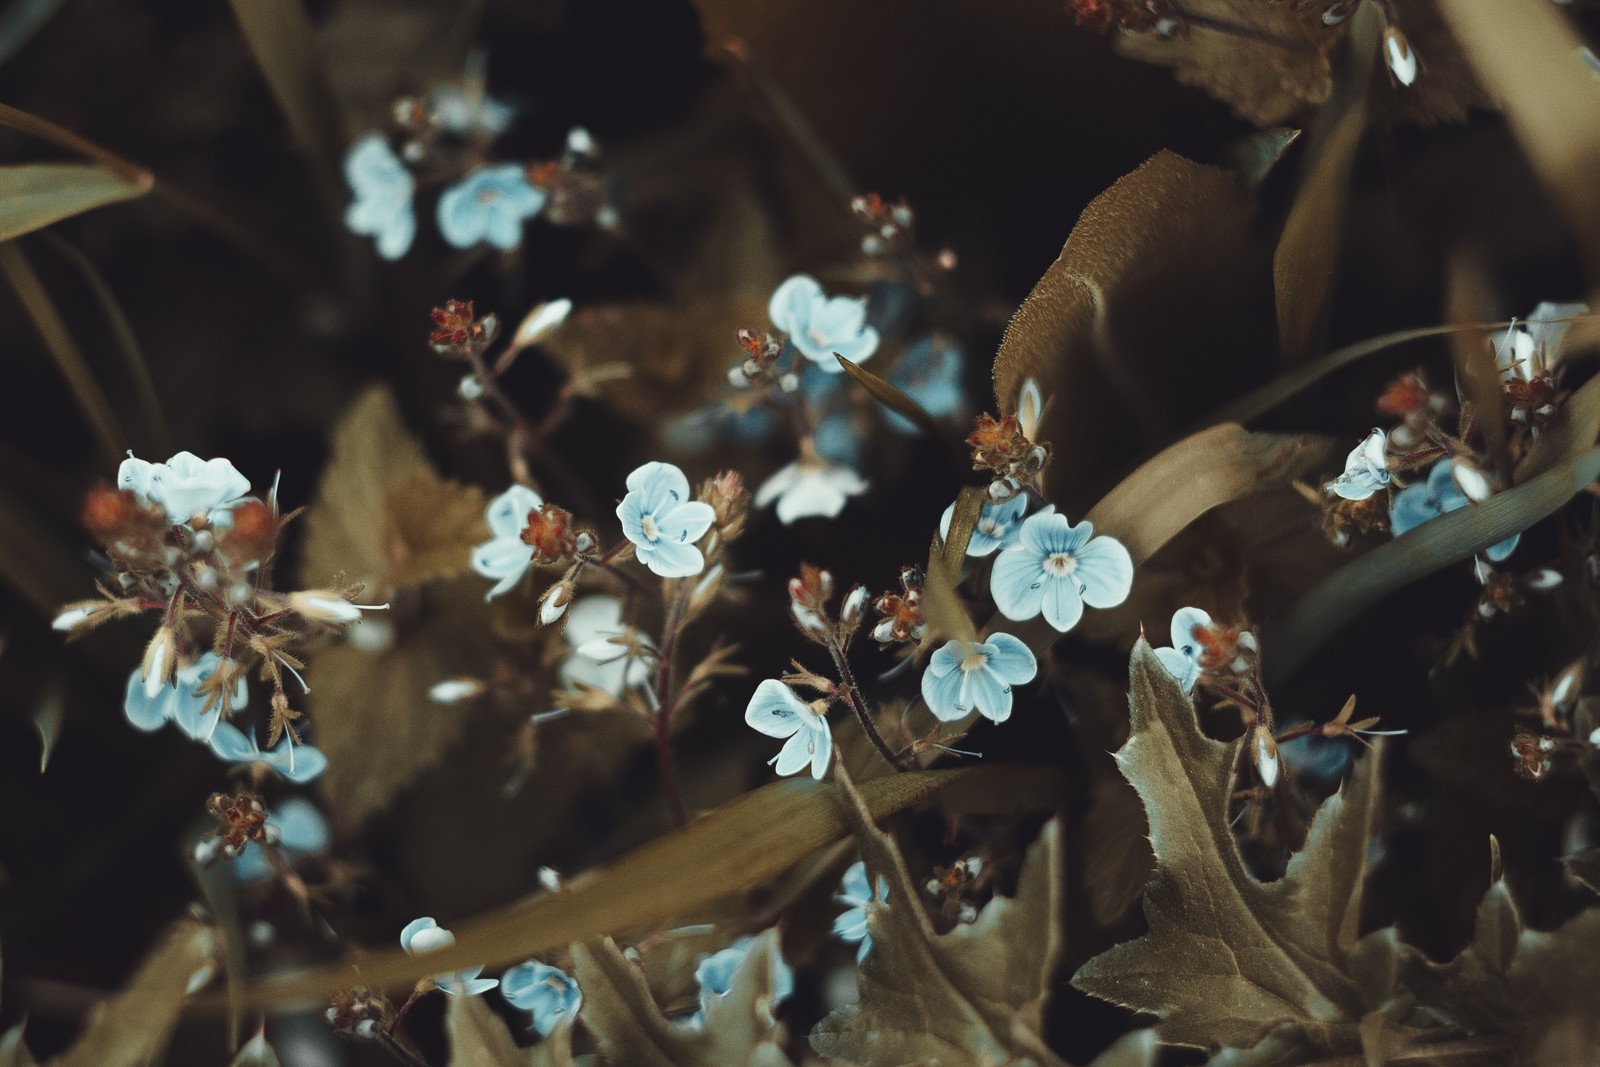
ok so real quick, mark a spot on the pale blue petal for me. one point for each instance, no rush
(1503, 549)
(851, 925)
(856, 347)
(671, 559)
(461, 220)
(233, 745)
(146, 713)
(1185, 621)
(854, 886)
(301, 828)
(796, 752)
(1105, 570)
(943, 695)
(1011, 659)
(822, 750)
(502, 228)
(946, 658)
(990, 695)
(630, 512)
(775, 710)
(688, 521)
(658, 483)
(504, 558)
(1181, 667)
(790, 306)
(1017, 581)
(394, 237)
(1410, 508)
(507, 514)
(1061, 602)
(1049, 532)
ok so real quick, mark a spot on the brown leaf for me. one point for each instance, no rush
(431, 526)
(973, 995)
(479, 1039)
(1228, 958)
(1474, 358)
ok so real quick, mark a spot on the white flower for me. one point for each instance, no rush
(662, 522)
(967, 675)
(1057, 568)
(425, 935)
(1530, 349)
(383, 188)
(506, 557)
(1366, 469)
(775, 711)
(186, 486)
(857, 895)
(1182, 660)
(821, 327)
(810, 487)
(596, 659)
(996, 527)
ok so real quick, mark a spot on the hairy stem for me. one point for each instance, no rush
(852, 694)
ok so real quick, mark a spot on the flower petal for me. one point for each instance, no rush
(775, 710)
(507, 514)
(943, 695)
(1180, 666)
(688, 521)
(1185, 621)
(823, 751)
(1062, 603)
(797, 752)
(1105, 570)
(1017, 581)
(791, 303)
(1011, 659)
(671, 559)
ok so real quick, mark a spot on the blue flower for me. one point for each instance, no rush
(820, 326)
(424, 935)
(997, 526)
(490, 205)
(716, 973)
(301, 830)
(1416, 504)
(383, 188)
(183, 704)
(1057, 568)
(662, 522)
(929, 372)
(186, 486)
(1366, 469)
(1182, 660)
(548, 993)
(506, 557)
(967, 675)
(457, 111)
(837, 440)
(855, 893)
(775, 711)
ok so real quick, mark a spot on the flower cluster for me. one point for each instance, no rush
(1202, 646)
(1005, 448)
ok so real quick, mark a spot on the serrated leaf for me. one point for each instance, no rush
(431, 526)
(1473, 988)
(973, 995)
(33, 195)
(1228, 958)
(478, 1038)
(622, 1015)
(130, 1028)
(742, 844)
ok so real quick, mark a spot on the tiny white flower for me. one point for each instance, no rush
(186, 486)
(809, 488)
(1055, 568)
(662, 521)
(996, 527)
(505, 556)
(424, 935)
(820, 326)
(1265, 753)
(553, 604)
(1366, 469)
(775, 711)
(964, 676)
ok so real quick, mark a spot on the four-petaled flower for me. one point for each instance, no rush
(810, 487)
(383, 188)
(1057, 568)
(775, 711)
(490, 205)
(598, 659)
(855, 893)
(1366, 469)
(964, 676)
(548, 993)
(662, 522)
(506, 556)
(996, 527)
(820, 326)
(186, 486)
(424, 935)
(1417, 503)
(715, 974)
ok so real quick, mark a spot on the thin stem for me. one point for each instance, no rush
(1233, 29)
(64, 138)
(852, 694)
(663, 721)
(398, 1049)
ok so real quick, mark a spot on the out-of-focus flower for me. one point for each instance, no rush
(662, 521)
(855, 893)
(300, 830)
(1056, 568)
(810, 487)
(1366, 469)
(963, 676)
(821, 326)
(715, 974)
(424, 935)
(548, 993)
(457, 111)
(996, 527)
(775, 711)
(1438, 495)
(929, 372)
(596, 658)
(489, 204)
(506, 557)
(383, 189)
(186, 486)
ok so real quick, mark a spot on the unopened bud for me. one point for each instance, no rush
(73, 617)
(811, 622)
(159, 663)
(455, 690)
(850, 610)
(541, 322)
(469, 388)
(329, 607)
(554, 603)
(1264, 751)
(1402, 61)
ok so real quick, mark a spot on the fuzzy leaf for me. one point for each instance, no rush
(33, 195)
(973, 995)
(479, 1039)
(1227, 957)
(130, 1028)
(622, 1015)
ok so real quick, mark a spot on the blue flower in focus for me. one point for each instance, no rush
(548, 993)
(490, 205)
(383, 188)
(183, 704)
(820, 326)
(301, 830)
(1055, 568)
(929, 372)
(715, 974)
(855, 893)
(965, 676)
(663, 522)
(1439, 495)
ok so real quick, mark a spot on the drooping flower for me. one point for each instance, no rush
(662, 521)
(775, 711)
(810, 487)
(1366, 469)
(997, 526)
(506, 557)
(715, 974)
(183, 705)
(821, 326)
(489, 204)
(596, 658)
(929, 372)
(424, 935)
(1057, 568)
(963, 676)
(186, 486)
(548, 993)
(300, 830)
(1438, 495)
(383, 189)
(856, 894)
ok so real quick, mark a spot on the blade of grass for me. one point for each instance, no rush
(34, 195)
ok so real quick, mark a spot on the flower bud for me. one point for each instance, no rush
(554, 603)
(455, 690)
(75, 616)
(541, 322)
(850, 610)
(329, 607)
(1264, 751)
(159, 663)
(1402, 61)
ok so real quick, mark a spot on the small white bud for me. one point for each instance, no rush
(811, 623)
(1402, 61)
(541, 322)
(584, 544)
(1544, 579)
(329, 607)
(850, 611)
(469, 388)
(1265, 751)
(455, 690)
(71, 618)
(579, 142)
(789, 383)
(554, 603)
(1565, 690)
(550, 878)
(158, 663)
(1472, 482)
(871, 245)
(883, 633)
(738, 378)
